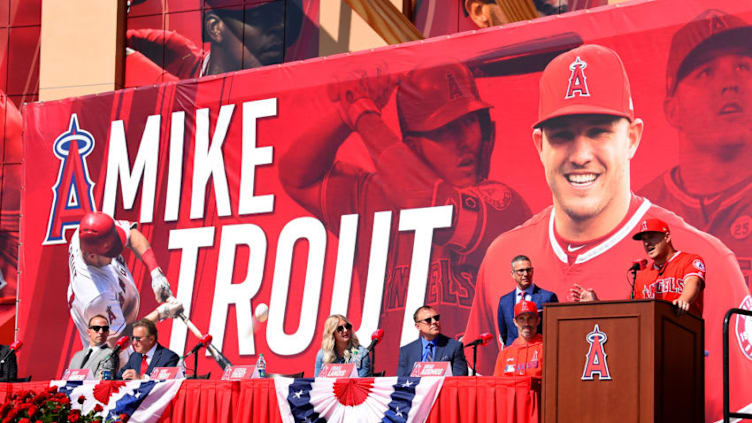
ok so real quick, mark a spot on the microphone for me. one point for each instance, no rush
(375, 338)
(638, 265)
(205, 340)
(483, 340)
(119, 345)
(12, 348)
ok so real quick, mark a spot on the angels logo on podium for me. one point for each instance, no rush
(595, 361)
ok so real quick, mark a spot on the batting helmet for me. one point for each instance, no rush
(431, 97)
(99, 235)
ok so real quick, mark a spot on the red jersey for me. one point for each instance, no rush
(480, 214)
(522, 358)
(602, 265)
(726, 214)
(667, 282)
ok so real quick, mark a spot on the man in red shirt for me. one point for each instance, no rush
(673, 276)
(525, 356)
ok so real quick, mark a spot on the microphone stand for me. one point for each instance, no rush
(634, 282)
(195, 363)
(474, 344)
(475, 359)
(372, 351)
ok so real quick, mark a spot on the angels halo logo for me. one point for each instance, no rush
(72, 191)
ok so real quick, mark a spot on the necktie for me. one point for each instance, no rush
(428, 355)
(86, 357)
(520, 296)
(144, 364)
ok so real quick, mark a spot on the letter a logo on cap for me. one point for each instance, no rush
(577, 80)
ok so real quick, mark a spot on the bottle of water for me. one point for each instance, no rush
(261, 365)
(356, 358)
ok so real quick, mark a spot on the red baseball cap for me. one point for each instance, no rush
(712, 30)
(525, 306)
(590, 79)
(651, 225)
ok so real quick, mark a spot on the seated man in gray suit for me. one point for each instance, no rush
(93, 356)
(431, 345)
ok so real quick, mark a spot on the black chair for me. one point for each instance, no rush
(290, 375)
(379, 374)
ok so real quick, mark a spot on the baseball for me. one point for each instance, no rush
(262, 312)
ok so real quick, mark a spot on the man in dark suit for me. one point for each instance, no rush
(522, 273)
(94, 355)
(148, 354)
(8, 366)
(431, 345)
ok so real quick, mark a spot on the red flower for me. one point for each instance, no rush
(24, 420)
(81, 399)
(32, 410)
(124, 417)
(73, 417)
(98, 408)
(52, 389)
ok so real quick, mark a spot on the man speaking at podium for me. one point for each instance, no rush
(673, 275)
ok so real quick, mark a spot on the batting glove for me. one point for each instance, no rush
(359, 93)
(172, 308)
(160, 285)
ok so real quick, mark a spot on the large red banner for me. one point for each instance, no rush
(312, 187)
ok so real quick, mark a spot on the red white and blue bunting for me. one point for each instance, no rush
(384, 399)
(143, 401)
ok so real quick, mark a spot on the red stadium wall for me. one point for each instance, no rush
(231, 232)
(19, 84)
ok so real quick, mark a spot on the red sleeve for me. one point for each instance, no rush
(482, 213)
(482, 318)
(694, 266)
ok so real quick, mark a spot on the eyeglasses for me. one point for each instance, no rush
(137, 338)
(347, 326)
(429, 320)
(96, 328)
(523, 271)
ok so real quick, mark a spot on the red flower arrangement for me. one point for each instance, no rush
(49, 406)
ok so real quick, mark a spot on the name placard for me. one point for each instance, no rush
(164, 373)
(78, 374)
(431, 368)
(240, 372)
(338, 370)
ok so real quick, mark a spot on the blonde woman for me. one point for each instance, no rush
(339, 344)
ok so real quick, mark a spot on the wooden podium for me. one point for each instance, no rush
(622, 361)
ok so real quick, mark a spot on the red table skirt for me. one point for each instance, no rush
(461, 399)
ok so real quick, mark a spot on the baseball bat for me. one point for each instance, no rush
(524, 57)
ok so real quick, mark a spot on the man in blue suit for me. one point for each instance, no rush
(522, 273)
(148, 355)
(431, 345)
